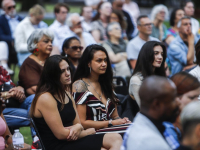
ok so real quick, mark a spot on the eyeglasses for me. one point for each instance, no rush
(75, 48)
(117, 28)
(10, 7)
(146, 25)
(78, 24)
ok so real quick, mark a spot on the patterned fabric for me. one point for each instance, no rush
(5, 77)
(172, 135)
(170, 31)
(95, 109)
(114, 129)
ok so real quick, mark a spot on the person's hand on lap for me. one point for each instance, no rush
(18, 93)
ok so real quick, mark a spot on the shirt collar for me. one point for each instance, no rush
(58, 23)
(8, 17)
(159, 124)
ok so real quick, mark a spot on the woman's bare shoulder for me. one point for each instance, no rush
(80, 86)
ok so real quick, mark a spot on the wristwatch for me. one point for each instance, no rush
(110, 123)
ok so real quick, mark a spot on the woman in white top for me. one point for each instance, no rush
(151, 61)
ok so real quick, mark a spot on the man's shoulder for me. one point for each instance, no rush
(2, 17)
(24, 21)
(43, 24)
(53, 25)
(135, 40)
(153, 39)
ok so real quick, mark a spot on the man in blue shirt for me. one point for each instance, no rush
(181, 49)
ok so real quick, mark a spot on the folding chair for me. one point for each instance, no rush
(37, 133)
(121, 86)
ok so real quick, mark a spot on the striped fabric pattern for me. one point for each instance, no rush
(114, 129)
(95, 109)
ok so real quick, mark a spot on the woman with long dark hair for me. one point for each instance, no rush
(54, 112)
(172, 32)
(151, 61)
(93, 90)
(117, 16)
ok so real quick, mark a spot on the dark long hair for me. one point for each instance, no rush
(50, 80)
(122, 22)
(173, 16)
(146, 59)
(105, 80)
(97, 16)
(185, 82)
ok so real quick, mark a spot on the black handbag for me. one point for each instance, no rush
(10, 102)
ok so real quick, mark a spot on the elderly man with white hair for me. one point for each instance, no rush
(74, 23)
(181, 50)
(190, 121)
(8, 23)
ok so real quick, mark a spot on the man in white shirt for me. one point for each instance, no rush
(144, 26)
(59, 27)
(74, 23)
(86, 14)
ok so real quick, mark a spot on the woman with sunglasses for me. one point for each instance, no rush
(40, 45)
(54, 113)
(116, 48)
(93, 90)
(73, 50)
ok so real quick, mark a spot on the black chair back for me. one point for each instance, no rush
(129, 108)
(120, 84)
(36, 130)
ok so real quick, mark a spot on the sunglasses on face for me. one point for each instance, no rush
(76, 48)
(10, 7)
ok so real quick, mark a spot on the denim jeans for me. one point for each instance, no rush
(19, 117)
(21, 57)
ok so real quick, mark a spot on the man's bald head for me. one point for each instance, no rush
(153, 88)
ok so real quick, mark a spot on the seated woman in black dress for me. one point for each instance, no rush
(93, 90)
(54, 112)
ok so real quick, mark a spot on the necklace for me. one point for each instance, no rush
(41, 62)
(100, 96)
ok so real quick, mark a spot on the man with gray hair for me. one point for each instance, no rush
(74, 23)
(8, 23)
(158, 104)
(190, 121)
(144, 26)
(181, 50)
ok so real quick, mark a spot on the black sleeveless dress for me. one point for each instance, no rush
(67, 114)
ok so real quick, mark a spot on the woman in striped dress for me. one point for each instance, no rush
(93, 90)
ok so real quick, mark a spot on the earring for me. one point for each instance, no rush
(35, 52)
